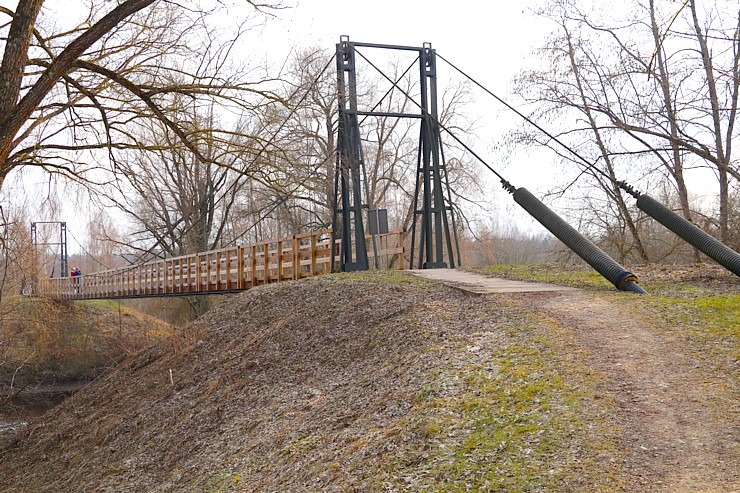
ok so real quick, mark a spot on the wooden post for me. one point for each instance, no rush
(188, 273)
(296, 258)
(217, 265)
(181, 274)
(280, 260)
(209, 271)
(223, 261)
(240, 274)
(196, 273)
(229, 282)
(313, 255)
(254, 265)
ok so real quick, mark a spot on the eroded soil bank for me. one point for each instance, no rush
(383, 382)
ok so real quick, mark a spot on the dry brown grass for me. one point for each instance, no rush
(364, 382)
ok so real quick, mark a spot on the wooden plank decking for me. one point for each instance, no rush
(219, 271)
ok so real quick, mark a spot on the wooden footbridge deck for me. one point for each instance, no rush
(220, 271)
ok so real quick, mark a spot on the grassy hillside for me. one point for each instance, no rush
(364, 382)
(46, 342)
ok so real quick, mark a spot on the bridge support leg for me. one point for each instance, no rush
(350, 168)
(435, 248)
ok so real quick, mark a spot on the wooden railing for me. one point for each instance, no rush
(219, 271)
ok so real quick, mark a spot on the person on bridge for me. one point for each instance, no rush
(76, 273)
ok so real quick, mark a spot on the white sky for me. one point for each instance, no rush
(489, 36)
(490, 40)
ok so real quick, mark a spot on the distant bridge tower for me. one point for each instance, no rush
(434, 223)
(61, 243)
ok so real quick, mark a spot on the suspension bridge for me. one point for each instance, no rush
(346, 246)
(225, 270)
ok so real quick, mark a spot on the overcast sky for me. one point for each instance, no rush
(491, 41)
(491, 36)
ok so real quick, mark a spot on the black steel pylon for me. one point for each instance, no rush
(431, 218)
(433, 214)
(349, 226)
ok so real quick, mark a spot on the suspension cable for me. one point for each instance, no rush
(258, 155)
(589, 165)
(686, 230)
(275, 206)
(507, 186)
(86, 251)
(264, 148)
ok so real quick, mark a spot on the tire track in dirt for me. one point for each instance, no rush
(679, 421)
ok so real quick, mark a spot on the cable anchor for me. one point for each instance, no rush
(628, 188)
(508, 186)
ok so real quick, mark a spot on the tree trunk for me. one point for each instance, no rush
(722, 159)
(676, 170)
(610, 188)
(16, 115)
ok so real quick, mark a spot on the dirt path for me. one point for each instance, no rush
(679, 421)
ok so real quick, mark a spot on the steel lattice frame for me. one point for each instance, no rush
(433, 213)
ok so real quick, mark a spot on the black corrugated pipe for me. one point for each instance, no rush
(706, 243)
(596, 258)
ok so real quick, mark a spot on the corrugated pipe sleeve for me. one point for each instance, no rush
(706, 243)
(593, 255)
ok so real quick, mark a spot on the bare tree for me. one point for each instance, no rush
(656, 92)
(609, 183)
(74, 97)
(305, 145)
(17, 266)
(101, 243)
(176, 203)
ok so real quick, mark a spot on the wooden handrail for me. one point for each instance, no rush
(219, 271)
